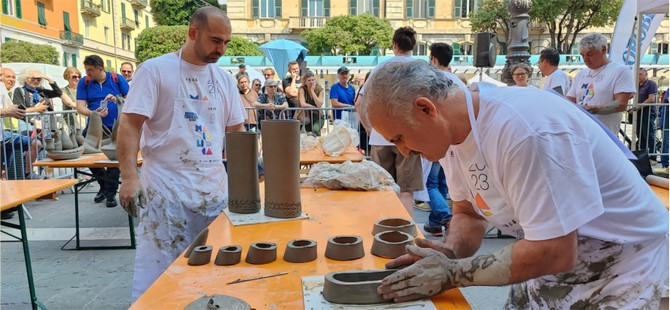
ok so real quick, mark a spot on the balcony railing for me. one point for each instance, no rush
(138, 4)
(127, 24)
(307, 22)
(72, 39)
(88, 8)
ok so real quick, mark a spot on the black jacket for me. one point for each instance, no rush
(24, 98)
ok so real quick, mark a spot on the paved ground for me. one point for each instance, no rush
(102, 279)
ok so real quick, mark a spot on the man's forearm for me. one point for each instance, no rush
(128, 147)
(465, 235)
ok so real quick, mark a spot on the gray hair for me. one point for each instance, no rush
(26, 73)
(592, 40)
(270, 82)
(394, 86)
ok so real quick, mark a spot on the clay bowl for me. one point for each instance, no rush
(261, 253)
(110, 151)
(228, 255)
(345, 247)
(300, 251)
(395, 224)
(355, 286)
(201, 255)
(391, 244)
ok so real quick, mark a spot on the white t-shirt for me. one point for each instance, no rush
(598, 87)
(556, 171)
(156, 84)
(558, 78)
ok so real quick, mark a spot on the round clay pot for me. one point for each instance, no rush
(345, 247)
(355, 286)
(300, 251)
(391, 244)
(228, 255)
(396, 224)
(261, 253)
(218, 302)
(201, 255)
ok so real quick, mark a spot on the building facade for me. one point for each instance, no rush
(78, 28)
(434, 21)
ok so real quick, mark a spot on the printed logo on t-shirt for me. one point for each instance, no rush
(588, 94)
(194, 97)
(204, 142)
(482, 206)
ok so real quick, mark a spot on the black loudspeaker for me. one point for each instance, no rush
(485, 50)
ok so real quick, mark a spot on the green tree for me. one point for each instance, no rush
(348, 35)
(19, 51)
(239, 46)
(564, 19)
(156, 41)
(177, 12)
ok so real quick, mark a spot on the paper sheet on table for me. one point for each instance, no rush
(313, 299)
(257, 218)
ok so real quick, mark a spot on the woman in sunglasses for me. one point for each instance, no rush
(69, 97)
(31, 96)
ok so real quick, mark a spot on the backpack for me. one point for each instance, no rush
(115, 78)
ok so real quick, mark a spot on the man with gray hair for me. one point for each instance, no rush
(605, 87)
(536, 168)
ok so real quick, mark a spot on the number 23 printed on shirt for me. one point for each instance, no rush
(479, 177)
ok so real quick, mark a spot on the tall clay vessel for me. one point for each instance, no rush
(281, 158)
(242, 154)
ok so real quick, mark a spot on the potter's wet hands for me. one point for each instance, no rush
(428, 276)
(408, 259)
(131, 196)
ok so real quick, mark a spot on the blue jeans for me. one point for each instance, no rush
(437, 192)
(663, 112)
(646, 135)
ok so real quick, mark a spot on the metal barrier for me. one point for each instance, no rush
(24, 141)
(645, 126)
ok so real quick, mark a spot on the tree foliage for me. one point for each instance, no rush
(348, 35)
(564, 19)
(20, 51)
(239, 46)
(156, 41)
(177, 12)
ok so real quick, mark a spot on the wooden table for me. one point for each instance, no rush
(331, 213)
(662, 194)
(12, 196)
(78, 164)
(317, 155)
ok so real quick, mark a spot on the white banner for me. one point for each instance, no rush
(624, 39)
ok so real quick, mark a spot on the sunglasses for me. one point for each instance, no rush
(257, 84)
(75, 77)
(36, 79)
(272, 86)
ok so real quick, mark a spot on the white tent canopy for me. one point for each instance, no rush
(485, 78)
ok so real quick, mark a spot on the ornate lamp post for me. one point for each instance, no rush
(517, 50)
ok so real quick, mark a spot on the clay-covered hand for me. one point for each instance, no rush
(110, 97)
(131, 196)
(428, 276)
(102, 112)
(408, 259)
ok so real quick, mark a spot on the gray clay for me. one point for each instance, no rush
(391, 244)
(218, 302)
(300, 251)
(345, 247)
(354, 286)
(65, 154)
(199, 240)
(242, 152)
(93, 134)
(228, 255)
(281, 163)
(201, 255)
(261, 253)
(397, 224)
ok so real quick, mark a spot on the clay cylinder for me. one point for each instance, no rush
(346, 247)
(242, 154)
(261, 253)
(201, 255)
(391, 244)
(300, 251)
(228, 255)
(397, 224)
(281, 163)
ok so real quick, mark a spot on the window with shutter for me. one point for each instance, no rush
(5, 7)
(254, 9)
(408, 9)
(278, 8)
(17, 8)
(352, 8)
(74, 60)
(41, 16)
(66, 21)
